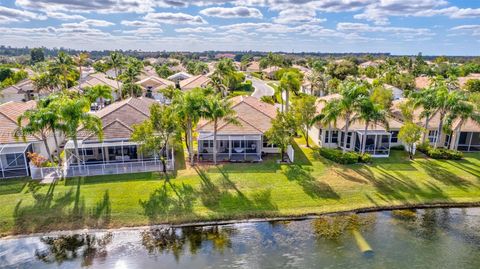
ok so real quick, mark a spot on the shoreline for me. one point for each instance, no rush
(250, 220)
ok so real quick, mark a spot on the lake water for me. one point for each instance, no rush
(431, 238)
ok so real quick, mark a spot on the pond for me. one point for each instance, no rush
(429, 238)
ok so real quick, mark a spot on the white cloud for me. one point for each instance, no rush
(233, 12)
(64, 16)
(98, 23)
(8, 15)
(473, 29)
(289, 16)
(404, 32)
(139, 23)
(196, 30)
(100, 6)
(146, 31)
(174, 18)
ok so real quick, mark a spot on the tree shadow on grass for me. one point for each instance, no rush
(147, 176)
(11, 186)
(227, 199)
(162, 205)
(466, 166)
(54, 211)
(311, 186)
(444, 176)
(300, 158)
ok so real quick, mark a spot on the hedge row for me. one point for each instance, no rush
(338, 156)
(440, 153)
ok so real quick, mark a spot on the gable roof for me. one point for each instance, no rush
(9, 112)
(155, 82)
(118, 118)
(100, 79)
(179, 75)
(254, 117)
(194, 82)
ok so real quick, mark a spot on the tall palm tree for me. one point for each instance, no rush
(447, 103)
(98, 92)
(189, 108)
(217, 108)
(36, 124)
(289, 82)
(54, 120)
(426, 100)
(80, 61)
(130, 77)
(61, 66)
(329, 115)
(352, 93)
(318, 83)
(116, 60)
(75, 114)
(217, 84)
(370, 112)
(46, 82)
(462, 111)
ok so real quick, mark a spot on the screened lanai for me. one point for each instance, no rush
(13, 160)
(230, 147)
(469, 141)
(377, 143)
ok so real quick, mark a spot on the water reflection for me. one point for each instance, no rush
(174, 241)
(433, 238)
(71, 247)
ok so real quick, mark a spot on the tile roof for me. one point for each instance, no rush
(100, 79)
(155, 82)
(9, 113)
(118, 118)
(199, 81)
(253, 115)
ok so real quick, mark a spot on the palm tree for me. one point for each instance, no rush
(98, 92)
(216, 108)
(447, 104)
(54, 120)
(426, 100)
(80, 61)
(462, 111)
(116, 60)
(370, 112)
(329, 115)
(289, 82)
(217, 84)
(62, 66)
(318, 83)
(352, 93)
(75, 114)
(37, 124)
(189, 108)
(45, 81)
(130, 77)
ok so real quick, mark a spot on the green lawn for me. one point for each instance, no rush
(311, 185)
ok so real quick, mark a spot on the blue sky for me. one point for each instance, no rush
(434, 27)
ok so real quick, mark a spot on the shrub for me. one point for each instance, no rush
(338, 156)
(440, 153)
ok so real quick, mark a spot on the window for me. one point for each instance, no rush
(447, 140)
(207, 143)
(463, 138)
(432, 136)
(89, 152)
(334, 136)
(394, 137)
(15, 159)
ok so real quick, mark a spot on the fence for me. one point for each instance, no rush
(100, 169)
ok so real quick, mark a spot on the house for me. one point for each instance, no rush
(200, 81)
(270, 72)
(101, 79)
(397, 93)
(116, 153)
(225, 55)
(379, 139)
(253, 67)
(148, 71)
(465, 136)
(152, 85)
(20, 92)
(244, 141)
(425, 82)
(177, 77)
(13, 152)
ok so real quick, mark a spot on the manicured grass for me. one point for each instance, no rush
(311, 185)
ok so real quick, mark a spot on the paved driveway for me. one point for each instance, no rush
(261, 88)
